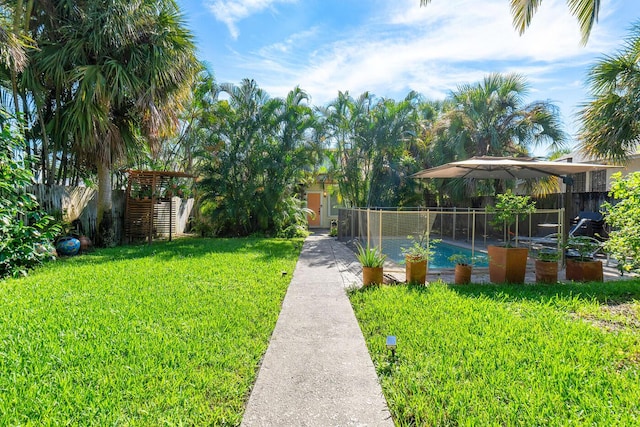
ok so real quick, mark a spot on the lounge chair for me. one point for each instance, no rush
(552, 239)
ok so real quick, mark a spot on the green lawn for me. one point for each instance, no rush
(507, 355)
(170, 334)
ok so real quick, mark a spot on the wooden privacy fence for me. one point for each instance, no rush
(151, 205)
(78, 205)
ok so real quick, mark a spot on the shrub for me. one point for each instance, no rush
(582, 248)
(26, 233)
(624, 219)
(290, 220)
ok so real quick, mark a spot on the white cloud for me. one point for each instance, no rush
(231, 11)
(289, 44)
(431, 49)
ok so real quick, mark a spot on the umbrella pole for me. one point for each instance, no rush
(568, 196)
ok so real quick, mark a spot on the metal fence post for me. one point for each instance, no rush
(380, 211)
(428, 232)
(485, 226)
(473, 234)
(561, 242)
(368, 227)
(455, 215)
(353, 225)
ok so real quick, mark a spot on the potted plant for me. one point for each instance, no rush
(463, 269)
(145, 192)
(135, 190)
(416, 257)
(508, 264)
(333, 231)
(372, 261)
(172, 188)
(547, 265)
(167, 193)
(581, 266)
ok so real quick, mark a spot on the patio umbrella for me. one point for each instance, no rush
(487, 167)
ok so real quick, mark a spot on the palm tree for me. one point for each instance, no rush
(118, 70)
(13, 43)
(370, 143)
(177, 152)
(394, 129)
(611, 121)
(491, 119)
(585, 11)
(344, 121)
(12, 49)
(257, 153)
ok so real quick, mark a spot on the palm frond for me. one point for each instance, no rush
(522, 12)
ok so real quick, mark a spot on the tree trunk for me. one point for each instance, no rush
(105, 236)
(14, 71)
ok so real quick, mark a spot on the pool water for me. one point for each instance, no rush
(442, 251)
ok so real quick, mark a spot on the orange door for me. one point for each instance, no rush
(313, 203)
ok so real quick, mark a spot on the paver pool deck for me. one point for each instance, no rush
(317, 370)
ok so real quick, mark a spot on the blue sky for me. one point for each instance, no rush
(389, 47)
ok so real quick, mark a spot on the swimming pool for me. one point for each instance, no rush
(392, 247)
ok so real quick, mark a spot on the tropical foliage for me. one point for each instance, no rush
(26, 232)
(103, 80)
(370, 256)
(610, 122)
(254, 160)
(624, 218)
(491, 118)
(508, 207)
(585, 11)
(196, 126)
(368, 140)
(113, 85)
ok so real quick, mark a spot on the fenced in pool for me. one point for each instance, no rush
(392, 247)
(466, 231)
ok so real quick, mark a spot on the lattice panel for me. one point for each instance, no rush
(150, 206)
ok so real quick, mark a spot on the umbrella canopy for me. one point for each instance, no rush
(507, 168)
(487, 167)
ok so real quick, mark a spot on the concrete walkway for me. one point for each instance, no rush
(317, 370)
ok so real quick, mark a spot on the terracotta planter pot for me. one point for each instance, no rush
(507, 265)
(462, 274)
(584, 271)
(416, 271)
(372, 275)
(546, 271)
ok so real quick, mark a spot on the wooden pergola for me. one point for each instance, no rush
(146, 191)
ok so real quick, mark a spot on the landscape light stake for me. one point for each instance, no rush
(391, 345)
